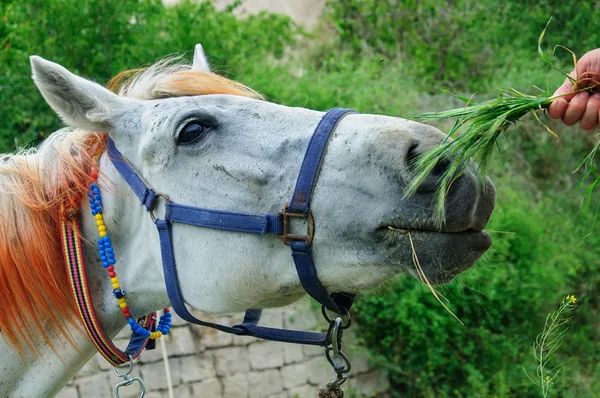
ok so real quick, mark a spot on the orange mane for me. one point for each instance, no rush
(33, 185)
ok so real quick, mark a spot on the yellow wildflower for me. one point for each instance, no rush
(571, 299)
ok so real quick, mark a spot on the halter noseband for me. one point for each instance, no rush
(276, 224)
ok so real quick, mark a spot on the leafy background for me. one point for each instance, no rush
(392, 57)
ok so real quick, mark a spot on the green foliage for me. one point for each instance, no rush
(460, 44)
(99, 38)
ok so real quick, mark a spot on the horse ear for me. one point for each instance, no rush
(79, 102)
(200, 63)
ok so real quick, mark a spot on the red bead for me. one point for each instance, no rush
(127, 315)
(94, 175)
(112, 274)
(111, 269)
(166, 310)
(125, 310)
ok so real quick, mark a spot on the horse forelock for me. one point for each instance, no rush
(171, 78)
(35, 292)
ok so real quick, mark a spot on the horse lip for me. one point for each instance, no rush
(405, 230)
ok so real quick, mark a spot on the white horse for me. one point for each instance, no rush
(243, 154)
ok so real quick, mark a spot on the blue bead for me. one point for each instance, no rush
(106, 239)
(111, 256)
(119, 293)
(112, 261)
(104, 259)
(109, 250)
(105, 264)
(108, 244)
(168, 315)
(131, 321)
(102, 253)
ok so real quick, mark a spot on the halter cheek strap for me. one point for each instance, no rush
(275, 224)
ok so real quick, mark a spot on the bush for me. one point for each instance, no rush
(99, 38)
(460, 44)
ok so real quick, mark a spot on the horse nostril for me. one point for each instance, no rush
(429, 184)
(440, 168)
(411, 156)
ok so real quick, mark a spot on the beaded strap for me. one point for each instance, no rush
(73, 254)
(144, 328)
(107, 257)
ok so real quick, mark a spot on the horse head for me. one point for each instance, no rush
(209, 142)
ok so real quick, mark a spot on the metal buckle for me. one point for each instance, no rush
(158, 195)
(286, 236)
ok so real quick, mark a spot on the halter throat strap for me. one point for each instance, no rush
(274, 224)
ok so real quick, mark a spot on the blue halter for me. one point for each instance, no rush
(276, 224)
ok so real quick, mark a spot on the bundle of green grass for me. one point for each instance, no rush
(480, 126)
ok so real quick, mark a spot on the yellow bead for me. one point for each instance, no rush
(122, 305)
(121, 300)
(116, 286)
(158, 335)
(101, 228)
(114, 280)
(98, 216)
(99, 222)
(102, 234)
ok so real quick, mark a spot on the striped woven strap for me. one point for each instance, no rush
(73, 254)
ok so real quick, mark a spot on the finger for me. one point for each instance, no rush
(557, 108)
(589, 120)
(588, 69)
(566, 90)
(576, 108)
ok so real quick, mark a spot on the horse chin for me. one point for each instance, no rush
(441, 255)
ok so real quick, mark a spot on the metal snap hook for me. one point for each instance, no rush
(128, 372)
(346, 319)
(127, 382)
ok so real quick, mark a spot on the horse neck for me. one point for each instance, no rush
(45, 373)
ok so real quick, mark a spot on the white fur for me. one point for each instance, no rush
(248, 162)
(200, 62)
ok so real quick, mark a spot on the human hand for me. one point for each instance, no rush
(583, 107)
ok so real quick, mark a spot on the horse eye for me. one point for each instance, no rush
(190, 133)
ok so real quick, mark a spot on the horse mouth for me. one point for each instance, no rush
(441, 255)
